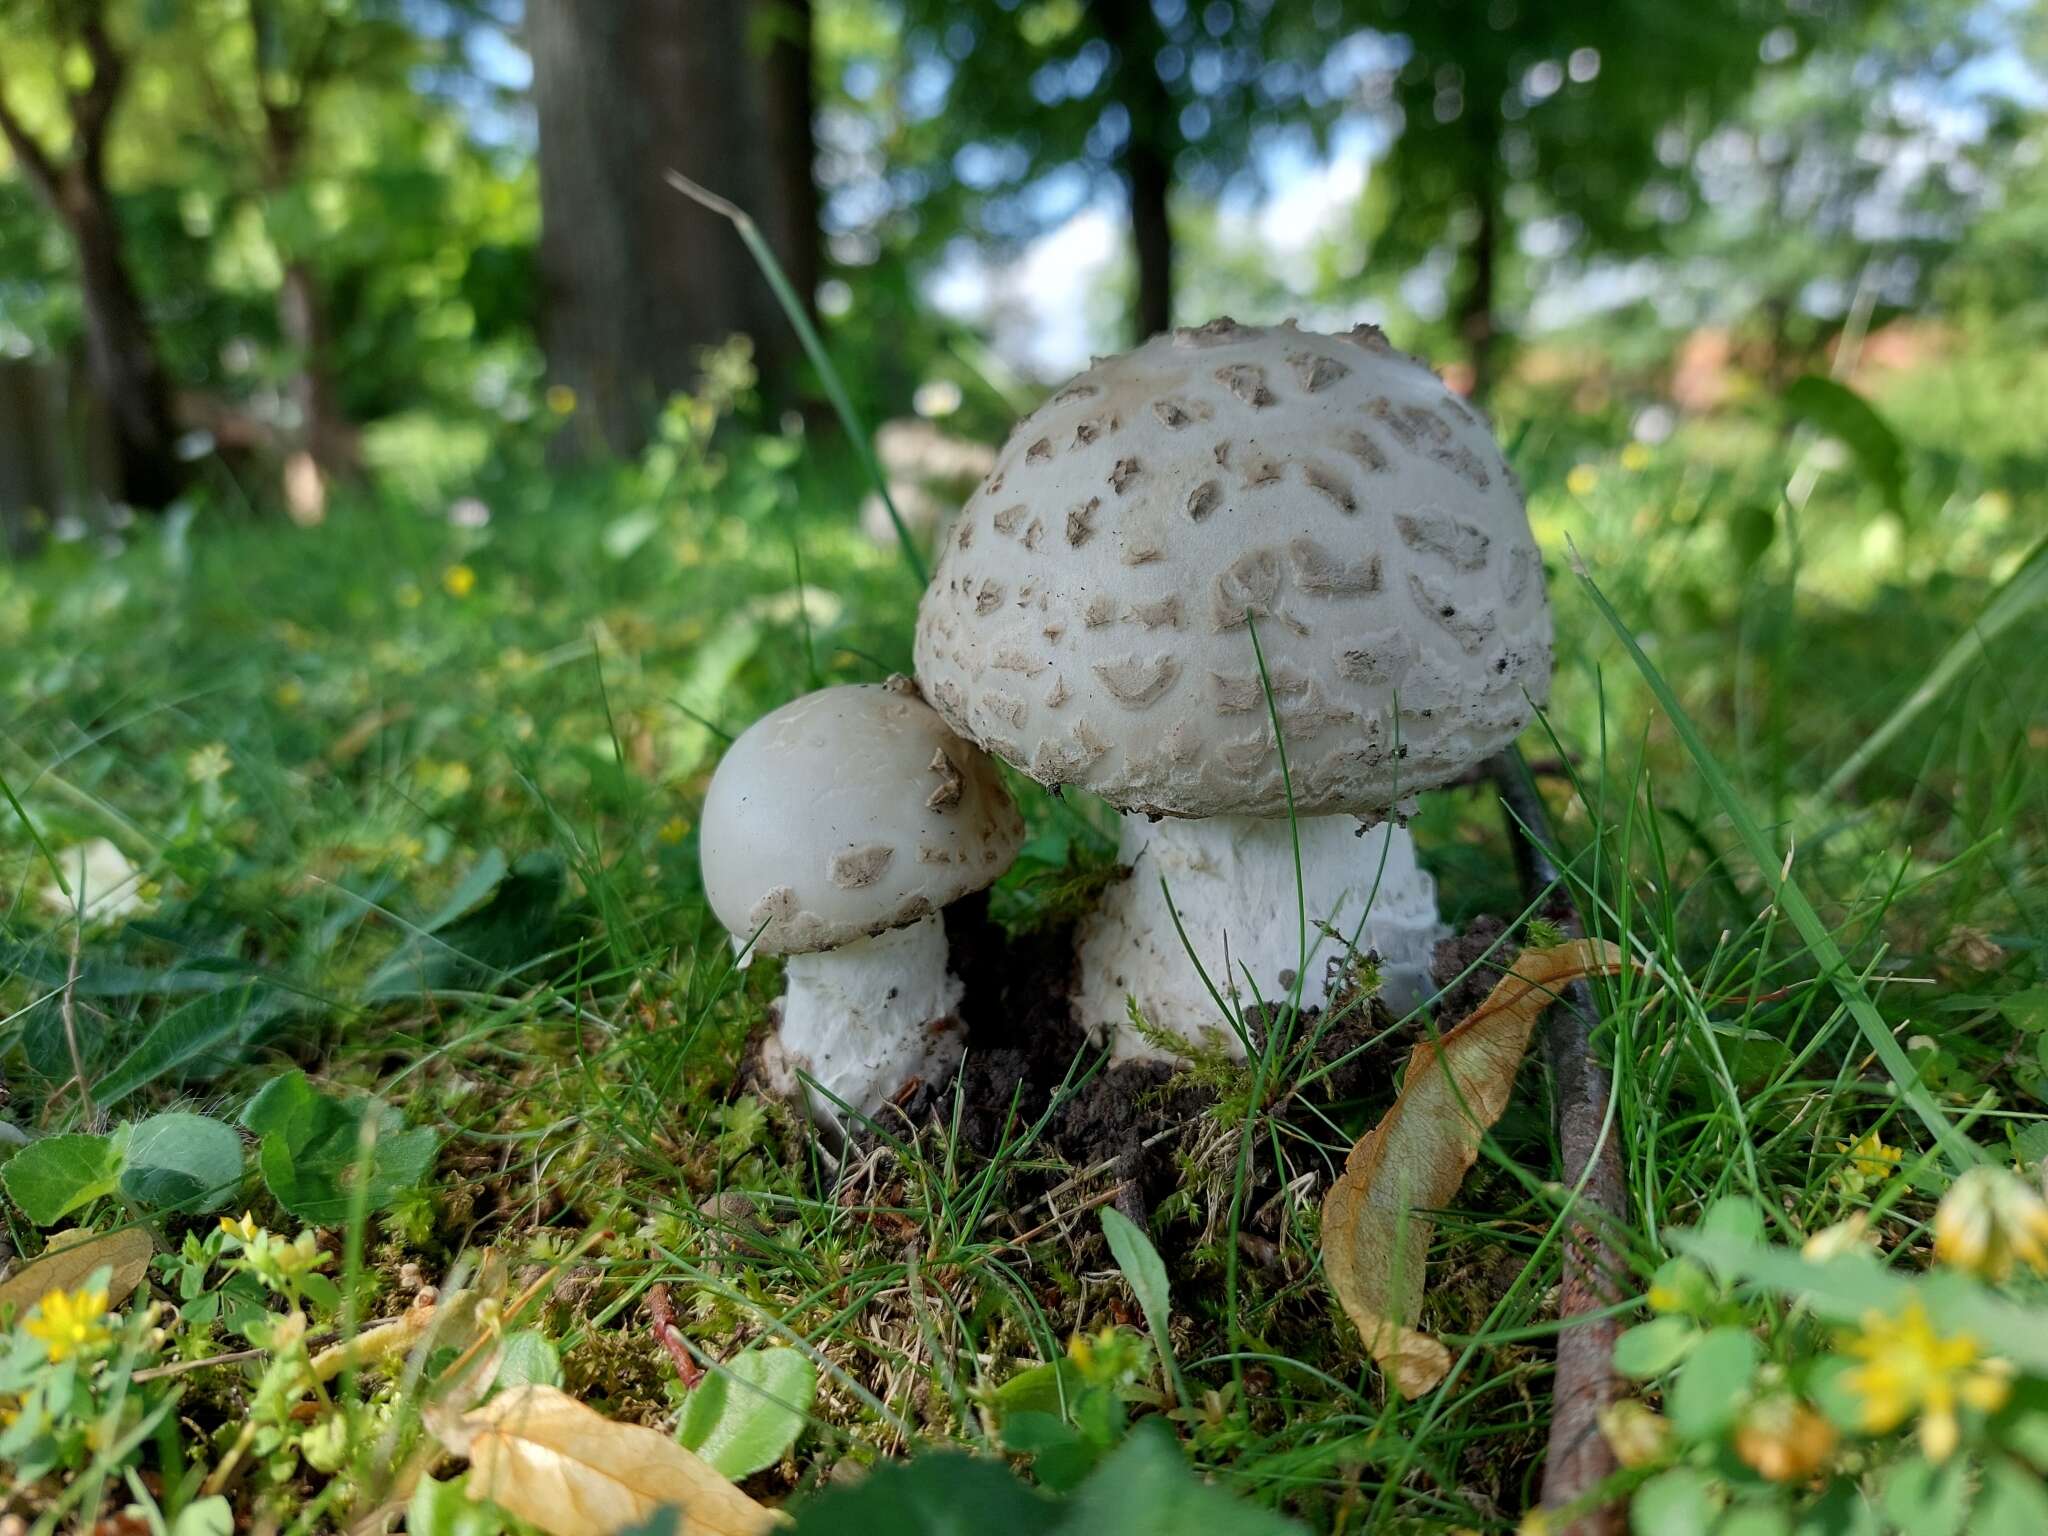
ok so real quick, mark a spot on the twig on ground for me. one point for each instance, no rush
(1578, 1459)
(670, 1337)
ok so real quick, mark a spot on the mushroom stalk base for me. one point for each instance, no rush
(1233, 885)
(864, 1019)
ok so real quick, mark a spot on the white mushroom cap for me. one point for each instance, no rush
(849, 812)
(1088, 618)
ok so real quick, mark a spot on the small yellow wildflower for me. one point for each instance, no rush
(207, 764)
(70, 1323)
(1989, 1220)
(561, 399)
(245, 1230)
(1637, 1434)
(1910, 1369)
(458, 580)
(1635, 458)
(1582, 479)
(1867, 1161)
(1782, 1439)
(674, 830)
(289, 694)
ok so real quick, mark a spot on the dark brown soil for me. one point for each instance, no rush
(1470, 948)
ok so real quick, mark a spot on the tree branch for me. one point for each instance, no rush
(92, 109)
(1579, 1459)
(36, 167)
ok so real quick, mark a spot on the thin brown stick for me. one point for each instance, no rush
(670, 1337)
(1579, 1458)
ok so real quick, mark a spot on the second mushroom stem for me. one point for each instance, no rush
(1578, 1457)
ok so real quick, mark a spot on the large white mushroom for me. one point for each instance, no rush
(835, 830)
(1090, 617)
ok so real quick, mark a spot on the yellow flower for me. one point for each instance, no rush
(1582, 479)
(1782, 1439)
(1635, 457)
(1988, 1220)
(1910, 1369)
(674, 830)
(561, 399)
(70, 1323)
(244, 1230)
(1867, 1161)
(289, 694)
(458, 581)
(1637, 1434)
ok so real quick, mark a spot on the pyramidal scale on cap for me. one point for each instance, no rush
(1090, 622)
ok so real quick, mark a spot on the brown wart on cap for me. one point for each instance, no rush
(1327, 489)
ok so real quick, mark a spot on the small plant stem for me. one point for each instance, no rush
(1578, 1459)
(670, 1337)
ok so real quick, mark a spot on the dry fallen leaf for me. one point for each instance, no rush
(571, 1471)
(69, 1260)
(1375, 1237)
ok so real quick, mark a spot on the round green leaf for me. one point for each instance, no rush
(746, 1414)
(1652, 1348)
(1712, 1383)
(1680, 1502)
(182, 1162)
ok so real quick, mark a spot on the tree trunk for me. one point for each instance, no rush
(1132, 30)
(636, 278)
(789, 102)
(1476, 322)
(121, 355)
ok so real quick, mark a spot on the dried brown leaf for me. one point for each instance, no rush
(69, 1260)
(571, 1471)
(1375, 1235)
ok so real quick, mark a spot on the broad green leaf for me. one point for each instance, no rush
(527, 1357)
(745, 1415)
(1146, 1485)
(1754, 1520)
(312, 1146)
(186, 1036)
(182, 1162)
(53, 1177)
(2011, 1503)
(1650, 1349)
(1713, 1383)
(1926, 1499)
(1846, 416)
(1680, 1502)
(943, 1493)
(1146, 1272)
(473, 942)
(446, 1509)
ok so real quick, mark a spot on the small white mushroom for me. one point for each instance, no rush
(835, 830)
(1328, 490)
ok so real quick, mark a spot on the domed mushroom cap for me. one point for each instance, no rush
(851, 811)
(1088, 620)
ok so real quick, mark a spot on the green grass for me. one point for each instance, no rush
(306, 742)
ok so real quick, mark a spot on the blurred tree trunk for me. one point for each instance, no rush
(789, 101)
(637, 279)
(1477, 323)
(120, 348)
(1132, 30)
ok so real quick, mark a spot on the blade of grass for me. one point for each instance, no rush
(2025, 590)
(35, 836)
(814, 349)
(1776, 870)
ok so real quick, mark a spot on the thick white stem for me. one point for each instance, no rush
(1233, 885)
(864, 1019)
